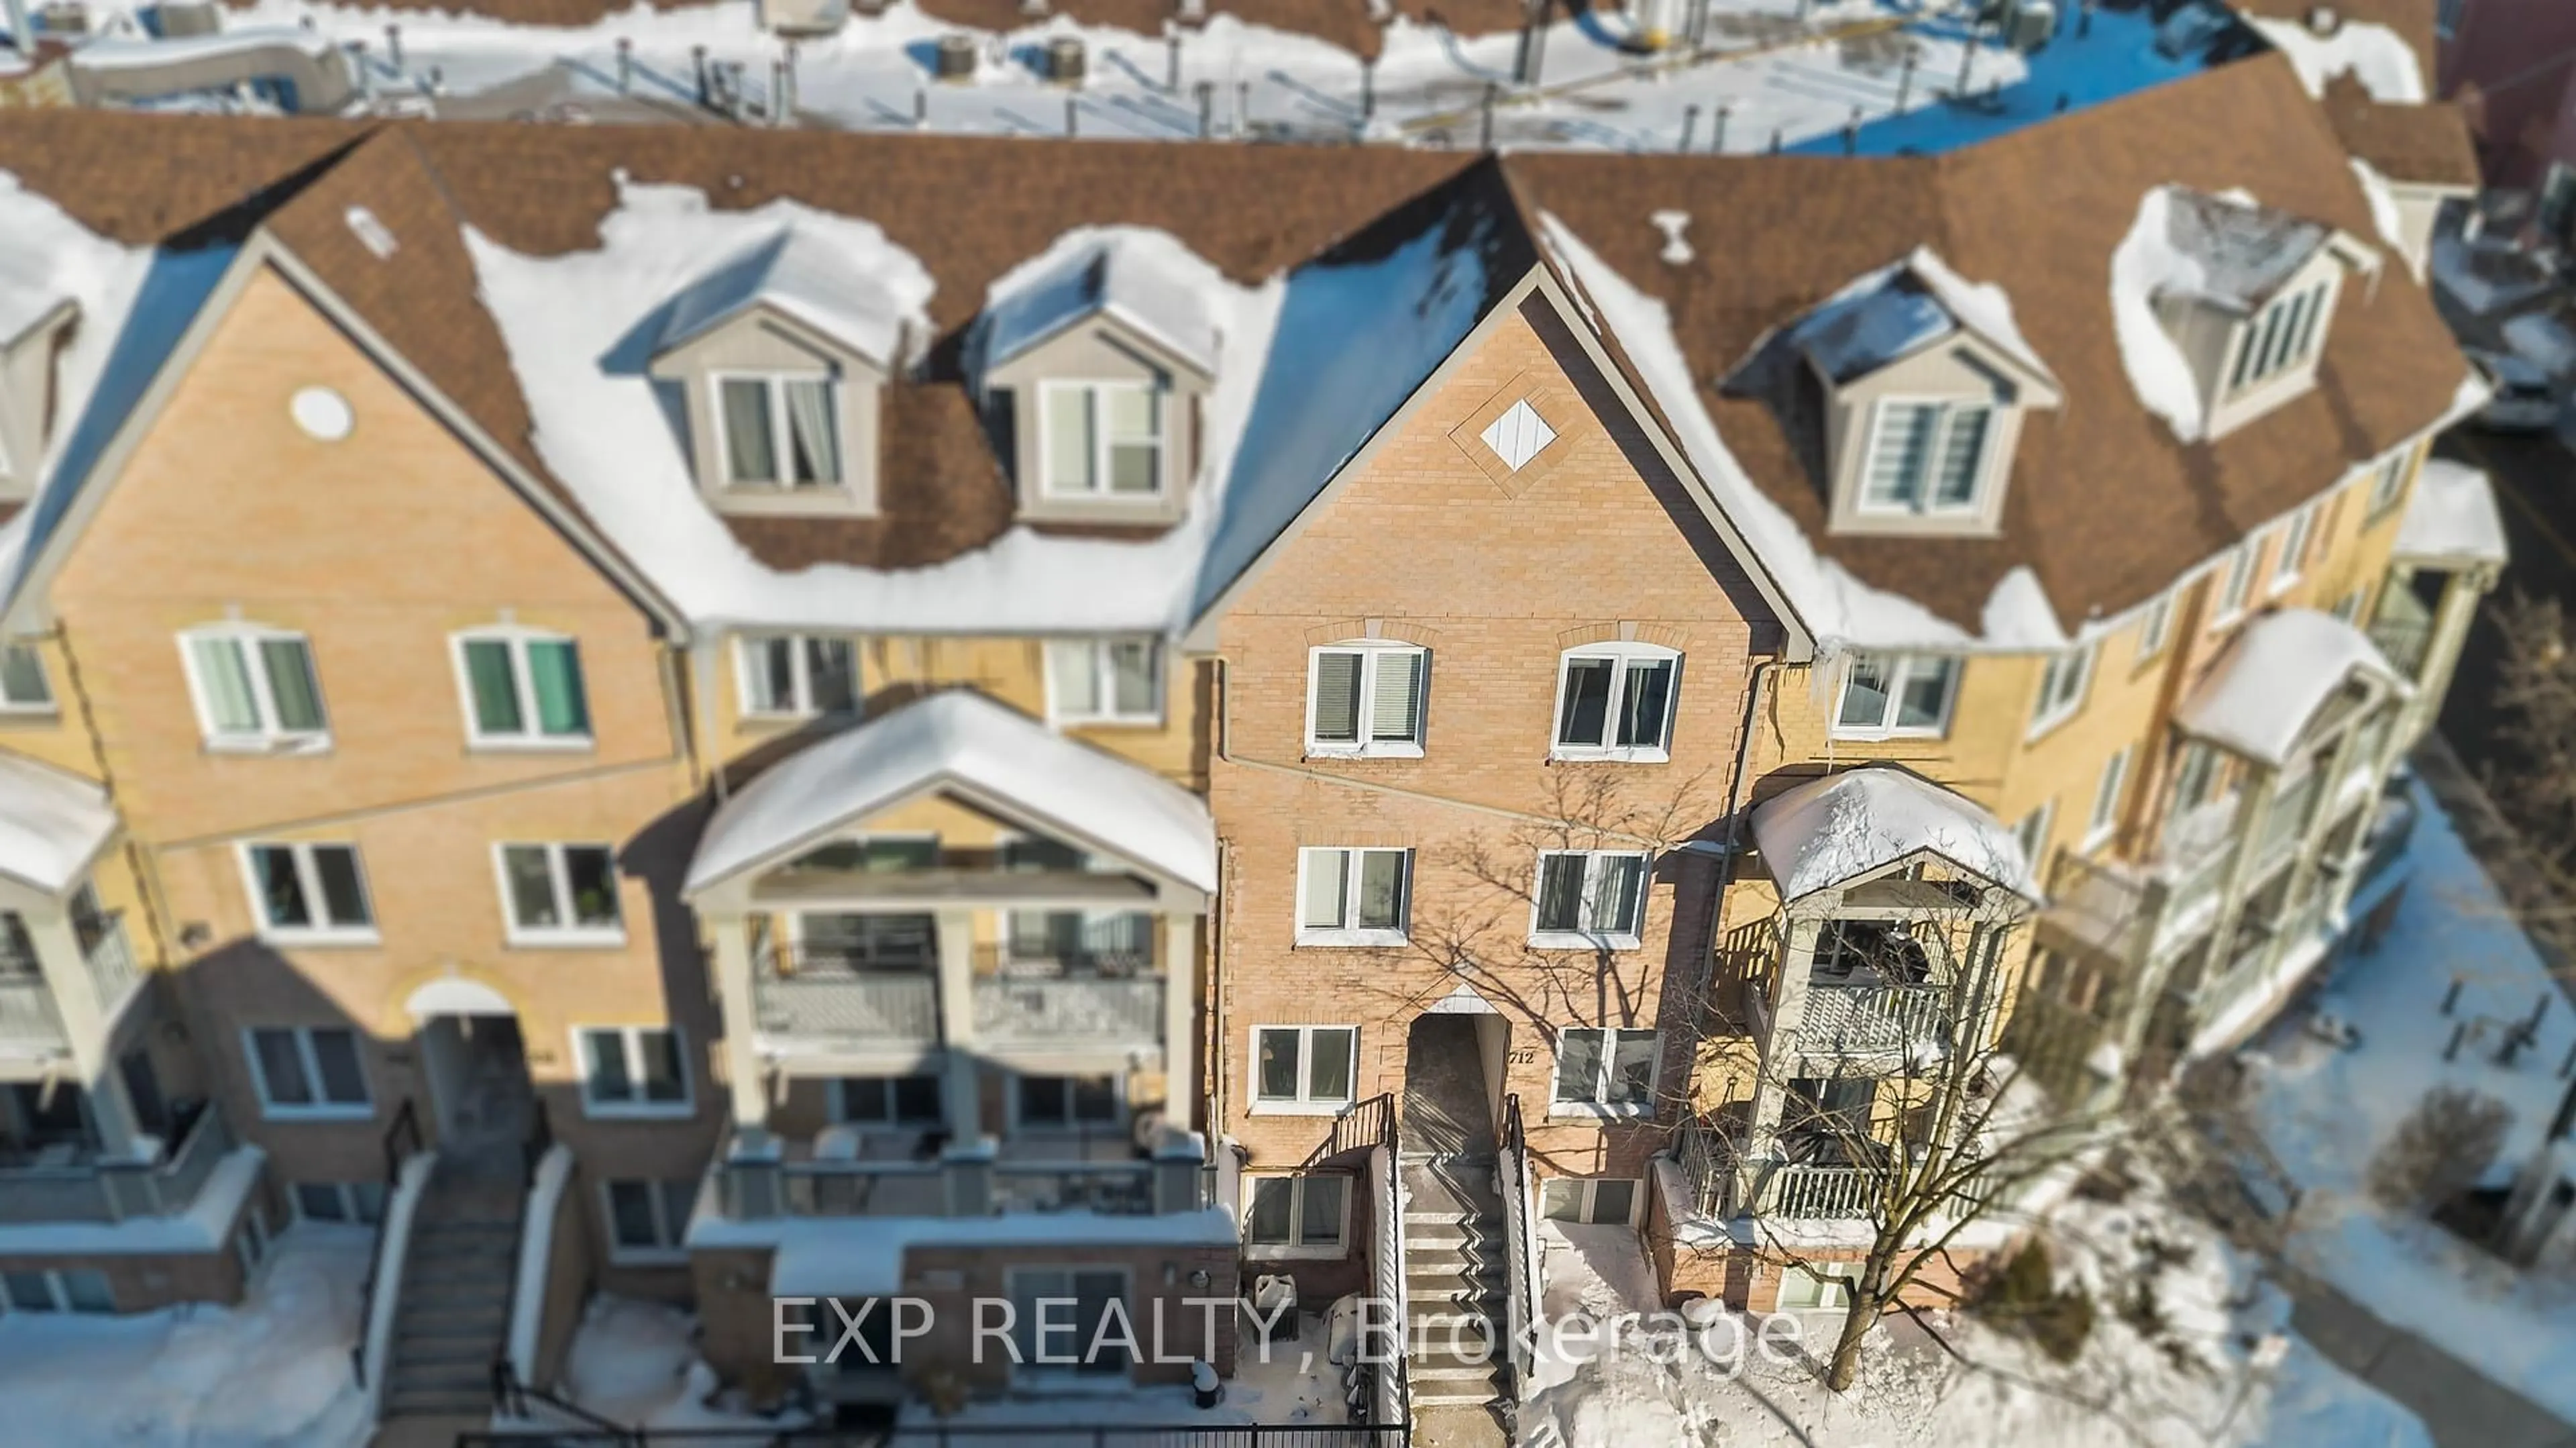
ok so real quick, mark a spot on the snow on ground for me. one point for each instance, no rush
(2325, 1112)
(272, 1372)
(2192, 1386)
(637, 1363)
(1293, 1384)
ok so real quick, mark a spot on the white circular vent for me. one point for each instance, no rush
(323, 413)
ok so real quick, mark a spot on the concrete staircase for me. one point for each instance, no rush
(1455, 1293)
(455, 1304)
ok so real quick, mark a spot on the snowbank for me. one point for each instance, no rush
(272, 1372)
(637, 1363)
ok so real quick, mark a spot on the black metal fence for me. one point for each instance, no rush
(1255, 1435)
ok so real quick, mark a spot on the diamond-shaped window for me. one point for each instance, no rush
(1519, 435)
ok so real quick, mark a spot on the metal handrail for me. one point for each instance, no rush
(510, 1399)
(948, 1435)
(1519, 1276)
(405, 1127)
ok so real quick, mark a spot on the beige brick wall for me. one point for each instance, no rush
(1497, 579)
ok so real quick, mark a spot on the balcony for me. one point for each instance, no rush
(32, 1025)
(66, 1182)
(1867, 1018)
(1028, 1010)
(29, 1023)
(916, 1176)
(842, 994)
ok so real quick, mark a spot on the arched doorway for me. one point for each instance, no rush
(481, 1098)
(1451, 1070)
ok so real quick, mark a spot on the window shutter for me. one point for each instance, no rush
(1337, 698)
(1393, 712)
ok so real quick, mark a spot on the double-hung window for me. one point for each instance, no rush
(2061, 687)
(649, 1220)
(788, 676)
(24, 688)
(1896, 695)
(2238, 583)
(1297, 1215)
(779, 430)
(1366, 699)
(1587, 899)
(1103, 439)
(1104, 681)
(1926, 457)
(2388, 483)
(2031, 835)
(255, 688)
(523, 688)
(307, 1072)
(310, 893)
(1352, 897)
(2154, 627)
(2105, 818)
(1304, 1068)
(1615, 701)
(632, 1071)
(1604, 1072)
(560, 894)
(2283, 333)
(2293, 557)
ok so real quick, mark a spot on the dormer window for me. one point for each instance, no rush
(1103, 439)
(2282, 335)
(779, 430)
(1918, 382)
(782, 353)
(1090, 370)
(1926, 457)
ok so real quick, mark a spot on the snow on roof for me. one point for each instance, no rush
(1896, 310)
(2148, 263)
(1837, 608)
(52, 824)
(602, 431)
(961, 737)
(2384, 215)
(859, 295)
(2277, 672)
(147, 53)
(1844, 825)
(1131, 275)
(1355, 338)
(2243, 250)
(2371, 53)
(845, 1257)
(2452, 515)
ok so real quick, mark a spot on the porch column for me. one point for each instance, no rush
(85, 1024)
(2451, 619)
(1180, 1014)
(745, 1077)
(963, 1090)
(1771, 1081)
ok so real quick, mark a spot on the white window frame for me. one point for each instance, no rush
(1946, 411)
(1834, 1278)
(1369, 651)
(2030, 832)
(2253, 360)
(1349, 932)
(2236, 582)
(1104, 681)
(781, 439)
(1605, 1110)
(271, 1109)
(1021, 1124)
(1303, 1103)
(1901, 669)
(1295, 1249)
(531, 735)
(2155, 627)
(1625, 654)
(308, 877)
(1164, 397)
(58, 1288)
(2349, 607)
(2291, 561)
(1594, 865)
(676, 1233)
(271, 736)
(2388, 478)
(1590, 1188)
(45, 679)
(630, 1045)
(2057, 702)
(2109, 788)
(800, 674)
(558, 875)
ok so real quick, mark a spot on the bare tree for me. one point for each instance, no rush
(2535, 700)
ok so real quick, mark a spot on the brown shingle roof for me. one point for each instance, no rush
(2427, 144)
(137, 178)
(2105, 506)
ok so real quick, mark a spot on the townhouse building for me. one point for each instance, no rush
(680, 703)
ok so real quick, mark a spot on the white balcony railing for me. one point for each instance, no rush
(826, 1002)
(1869, 1018)
(1025, 1010)
(30, 1025)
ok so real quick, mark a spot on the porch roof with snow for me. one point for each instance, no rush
(52, 824)
(1841, 827)
(2276, 674)
(2452, 518)
(964, 741)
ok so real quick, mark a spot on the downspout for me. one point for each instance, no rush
(1217, 929)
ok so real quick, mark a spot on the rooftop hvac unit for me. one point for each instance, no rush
(1064, 59)
(953, 58)
(2029, 24)
(175, 19)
